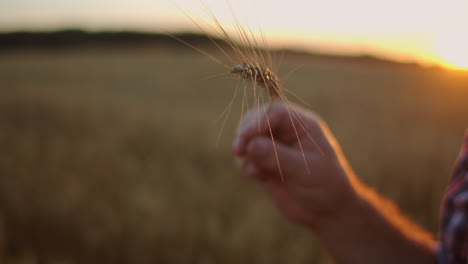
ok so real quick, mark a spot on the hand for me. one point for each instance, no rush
(320, 191)
(317, 179)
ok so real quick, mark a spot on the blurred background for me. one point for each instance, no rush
(108, 125)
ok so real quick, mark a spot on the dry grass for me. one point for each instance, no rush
(110, 156)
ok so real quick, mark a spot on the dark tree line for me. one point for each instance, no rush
(70, 38)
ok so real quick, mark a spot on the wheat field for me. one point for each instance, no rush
(110, 155)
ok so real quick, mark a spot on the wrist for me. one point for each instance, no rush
(363, 224)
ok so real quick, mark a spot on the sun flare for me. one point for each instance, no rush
(454, 58)
(453, 50)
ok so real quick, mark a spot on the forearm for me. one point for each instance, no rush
(371, 230)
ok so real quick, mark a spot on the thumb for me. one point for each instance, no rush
(275, 159)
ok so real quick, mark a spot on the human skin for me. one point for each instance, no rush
(321, 192)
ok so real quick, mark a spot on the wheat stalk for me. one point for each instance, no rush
(253, 64)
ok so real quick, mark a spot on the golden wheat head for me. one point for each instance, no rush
(261, 75)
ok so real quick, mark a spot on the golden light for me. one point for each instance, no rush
(421, 31)
(414, 37)
(453, 50)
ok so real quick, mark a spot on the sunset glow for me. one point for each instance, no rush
(453, 51)
(423, 31)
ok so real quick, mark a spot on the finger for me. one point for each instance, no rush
(289, 124)
(250, 119)
(259, 122)
(276, 159)
(250, 170)
(302, 127)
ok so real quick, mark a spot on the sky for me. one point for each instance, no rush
(424, 31)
